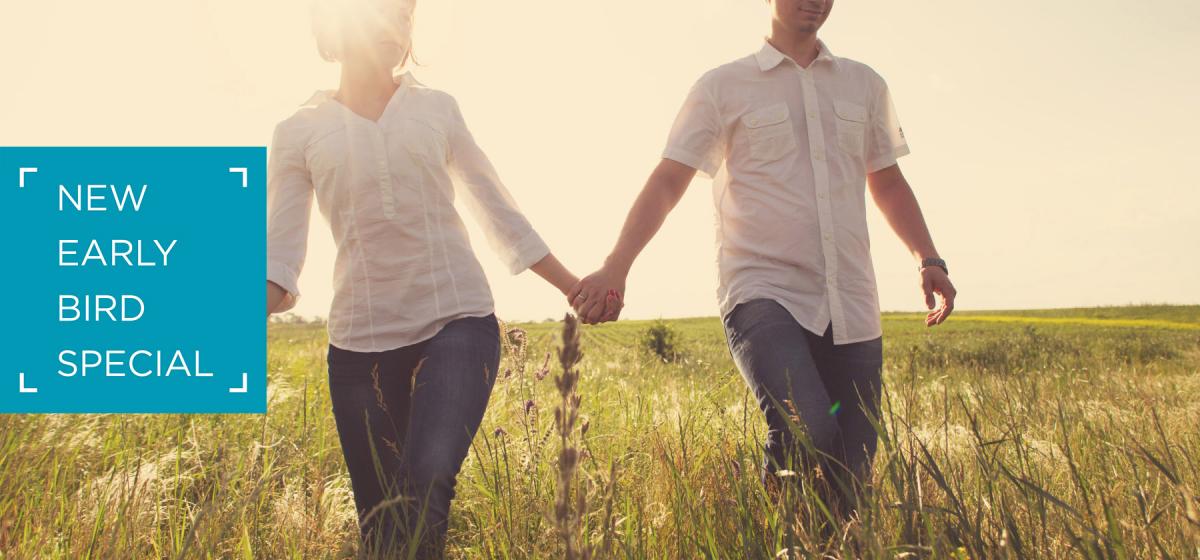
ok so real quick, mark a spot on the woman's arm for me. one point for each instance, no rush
(289, 207)
(553, 271)
(507, 230)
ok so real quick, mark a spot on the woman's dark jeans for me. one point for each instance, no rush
(406, 418)
(830, 392)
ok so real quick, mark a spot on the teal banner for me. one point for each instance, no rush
(133, 280)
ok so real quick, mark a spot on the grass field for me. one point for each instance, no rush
(1035, 434)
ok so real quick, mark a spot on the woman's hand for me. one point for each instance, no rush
(275, 296)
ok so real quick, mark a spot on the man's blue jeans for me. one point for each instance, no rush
(405, 436)
(831, 392)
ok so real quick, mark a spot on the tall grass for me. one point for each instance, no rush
(997, 441)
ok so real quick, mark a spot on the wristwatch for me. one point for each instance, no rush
(934, 262)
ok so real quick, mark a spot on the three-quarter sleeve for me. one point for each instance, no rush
(507, 230)
(885, 139)
(697, 136)
(289, 205)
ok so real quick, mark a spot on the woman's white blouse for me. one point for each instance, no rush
(404, 265)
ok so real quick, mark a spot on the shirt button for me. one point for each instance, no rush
(821, 196)
(753, 122)
(826, 237)
(812, 116)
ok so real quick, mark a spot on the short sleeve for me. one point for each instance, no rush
(697, 136)
(885, 138)
(289, 207)
(507, 230)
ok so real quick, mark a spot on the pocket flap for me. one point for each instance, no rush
(850, 111)
(766, 116)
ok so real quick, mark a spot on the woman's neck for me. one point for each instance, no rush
(365, 85)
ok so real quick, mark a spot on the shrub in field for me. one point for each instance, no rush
(662, 340)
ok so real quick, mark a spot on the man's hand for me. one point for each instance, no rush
(935, 281)
(898, 204)
(599, 297)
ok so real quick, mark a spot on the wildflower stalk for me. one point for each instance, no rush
(568, 516)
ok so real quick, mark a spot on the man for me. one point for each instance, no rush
(791, 135)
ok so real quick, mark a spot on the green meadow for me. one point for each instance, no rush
(1025, 434)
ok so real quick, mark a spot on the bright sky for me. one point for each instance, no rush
(1052, 141)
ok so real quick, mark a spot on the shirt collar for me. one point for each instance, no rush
(769, 57)
(400, 76)
(404, 77)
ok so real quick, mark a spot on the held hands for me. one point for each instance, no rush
(599, 297)
(935, 281)
(596, 299)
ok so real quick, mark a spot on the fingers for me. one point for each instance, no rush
(583, 302)
(595, 313)
(939, 315)
(592, 307)
(947, 304)
(927, 287)
(574, 292)
(612, 306)
(946, 311)
(581, 310)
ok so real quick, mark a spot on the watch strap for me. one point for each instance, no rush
(928, 262)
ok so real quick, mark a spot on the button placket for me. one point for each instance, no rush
(816, 140)
(386, 196)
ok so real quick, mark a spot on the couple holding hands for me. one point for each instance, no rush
(793, 138)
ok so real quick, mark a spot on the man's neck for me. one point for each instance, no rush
(800, 47)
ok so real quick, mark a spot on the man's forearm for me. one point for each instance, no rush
(593, 296)
(900, 207)
(660, 195)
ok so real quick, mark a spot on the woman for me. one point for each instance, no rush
(413, 341)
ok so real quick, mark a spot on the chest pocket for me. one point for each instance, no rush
(851, 126)
(770, 132)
